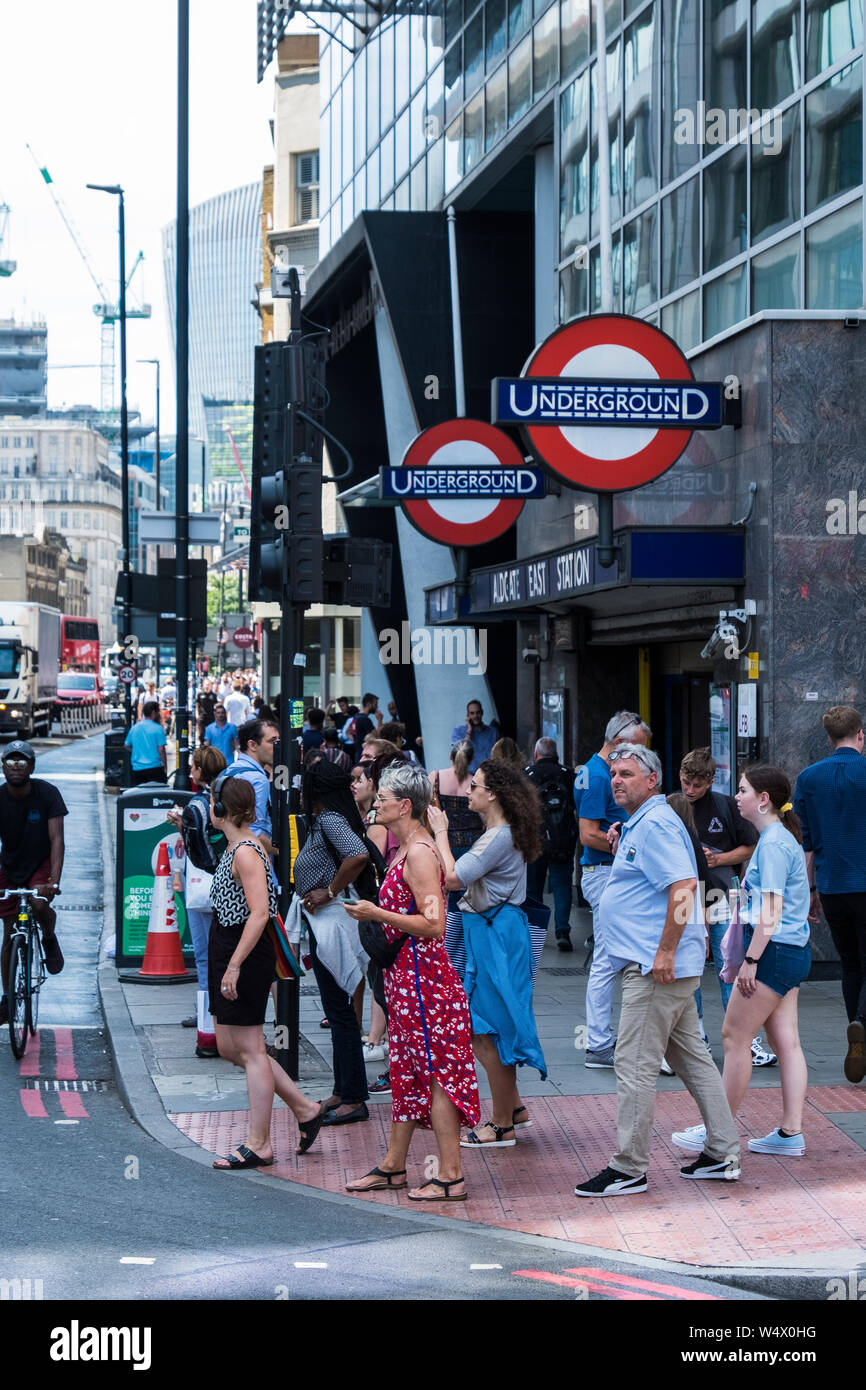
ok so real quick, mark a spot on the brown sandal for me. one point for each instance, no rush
(381, 1186)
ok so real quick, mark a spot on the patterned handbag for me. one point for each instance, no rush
(288, 965)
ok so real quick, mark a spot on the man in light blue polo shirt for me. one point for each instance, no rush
(596, 810)
(257, 738)
(221, 734)
(147, 741)
(655, 935)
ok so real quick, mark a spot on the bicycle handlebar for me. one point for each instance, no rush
(24, 893)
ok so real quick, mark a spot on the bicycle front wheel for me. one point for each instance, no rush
(34, 984)
(18, 996)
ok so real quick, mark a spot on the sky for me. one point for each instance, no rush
(92, 86)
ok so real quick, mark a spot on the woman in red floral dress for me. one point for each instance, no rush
(433, 1081)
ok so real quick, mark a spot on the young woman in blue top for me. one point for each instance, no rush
(774, 909)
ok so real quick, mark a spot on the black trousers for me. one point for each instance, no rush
(846, 918)
(350, 1074)
(148, 774)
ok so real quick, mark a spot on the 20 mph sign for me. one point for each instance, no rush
(466, 520)
(609, 402)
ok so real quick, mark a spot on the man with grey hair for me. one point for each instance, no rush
(555, 786)
(596, 811)
(655, 936)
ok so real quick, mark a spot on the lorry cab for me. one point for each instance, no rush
(29, 658)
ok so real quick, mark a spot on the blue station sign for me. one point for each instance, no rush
(563, 401)
(461, 482)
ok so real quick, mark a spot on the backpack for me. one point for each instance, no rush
(203, 844)
(559, 829)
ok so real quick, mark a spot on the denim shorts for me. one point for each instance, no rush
(781, 968)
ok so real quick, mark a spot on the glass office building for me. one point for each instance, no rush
(736, 142)
(224, 328)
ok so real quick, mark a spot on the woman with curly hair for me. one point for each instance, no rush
(506, 750)
(492, 876)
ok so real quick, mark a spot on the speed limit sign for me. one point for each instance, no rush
(127, 674)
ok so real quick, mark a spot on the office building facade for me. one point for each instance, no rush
(23, 368)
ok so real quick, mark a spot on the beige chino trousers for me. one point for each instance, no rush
(662, 1021)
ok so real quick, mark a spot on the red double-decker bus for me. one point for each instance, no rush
(79, 644)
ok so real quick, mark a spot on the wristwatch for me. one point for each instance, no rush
(331, 895)
(750, 960)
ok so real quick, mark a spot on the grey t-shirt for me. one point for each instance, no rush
(492, 872)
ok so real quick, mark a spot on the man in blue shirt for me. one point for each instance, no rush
(147, 741)
(222, 734)
(482, 736)
(830, 800)
(257, 738)
(596, 811)
(654, 933)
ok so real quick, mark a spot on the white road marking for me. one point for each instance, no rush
(77, 776)
(137, 1260)
(485, 1266)
(66, 1122)
(310, 1264)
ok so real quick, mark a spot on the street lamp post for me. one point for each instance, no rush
(117, 192)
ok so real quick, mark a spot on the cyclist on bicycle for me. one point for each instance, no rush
(31, 851)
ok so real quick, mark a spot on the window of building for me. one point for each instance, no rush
(16, 441)
(454, 154)
(519, 80)
(725, 301)
(417, 125)
(29, 444)
(401, 145)
(387, 73)
(373, 127)
(595, 276)
(495, 31)
(574, 173)
(573, 286)
(682, 320)
(386, 166)
(775, 51)
(725, 68)
(4, 442)
(401, 197)
(834, 260)
(453, 19)
(574, 34)
(436, 174)
(640, 138)
(519, 16)
(725, 232)
(776, 175)
(64, 521)
(681, 242)
(495, 100)
(418, 187)
(545, 55)
(640, 276)
(776, 276)
(834, 136)
(436, 102)
(360, 122)
(402, 71)
(453, 80)
(473, 133)
(613, 105)
(473, 53)
(833, 28)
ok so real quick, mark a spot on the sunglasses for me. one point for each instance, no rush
(477, 787)
(16, 762)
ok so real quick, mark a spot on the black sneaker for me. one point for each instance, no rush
(381, 1085)
(190, 1022)
(563, 943)
(53, 955)
(726, 1169)
(4, 1010)
(610, 1183)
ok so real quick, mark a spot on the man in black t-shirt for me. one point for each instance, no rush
(369, 719)
(31, 851)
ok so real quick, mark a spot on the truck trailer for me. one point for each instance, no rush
(29, 663)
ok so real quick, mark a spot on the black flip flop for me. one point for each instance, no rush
(309, 1131)
(247, 1159)
(446, 1191)
(381, 1186)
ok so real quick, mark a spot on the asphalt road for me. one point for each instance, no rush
(94, 1208)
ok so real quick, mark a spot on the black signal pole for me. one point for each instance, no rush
(182, 373)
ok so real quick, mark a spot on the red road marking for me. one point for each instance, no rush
(30, 1060)
(72, 1105)
(563, 1281)
(625, 1279)
(65, 1058)
(34, 1105)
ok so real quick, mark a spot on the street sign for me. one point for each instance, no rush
(608, 402)
(243, 637)
(160, 528)
(127, 674)
(241, 530)
(461, 481)
(463, 520)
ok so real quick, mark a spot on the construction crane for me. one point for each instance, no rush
(6, 267)
(108, 309)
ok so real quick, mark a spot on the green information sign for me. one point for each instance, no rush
(142, 828)
(297, 714)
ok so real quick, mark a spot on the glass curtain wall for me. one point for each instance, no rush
(735, 127)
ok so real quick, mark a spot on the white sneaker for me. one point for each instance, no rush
(762, 1056)
(665, 1068)
(691, 1139)
(374, 1052)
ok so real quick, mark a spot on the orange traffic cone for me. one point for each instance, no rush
(163, 958)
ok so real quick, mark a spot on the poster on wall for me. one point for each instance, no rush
(721, 738)
(144, 830)
(553, 719)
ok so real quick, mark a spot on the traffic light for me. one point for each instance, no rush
(357, 571)
(268, 492)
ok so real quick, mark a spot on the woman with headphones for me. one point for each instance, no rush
(241, 967)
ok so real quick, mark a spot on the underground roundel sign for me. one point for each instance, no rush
(608, 402)
(463, 520)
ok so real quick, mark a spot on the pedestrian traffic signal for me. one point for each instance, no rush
(267, 562)
(357, 571)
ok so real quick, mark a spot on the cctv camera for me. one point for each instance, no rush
(531, 656)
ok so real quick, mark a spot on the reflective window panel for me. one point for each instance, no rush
(834, 136)
(495, 95)
(519, 16)
(473, 53)
(545, 57)
(725, 301)
(373, 126)
(418, 187)
(595, 277)
(682, 320)
(495, 31)
(776, 276)
(454, 154)
(519, 80)
(574, 171)
(401, 146)
(473, 132)
(725, 231)
(573, 287)
(453, 80)
(386, 79)
(640, 133)
(436, 174)
(436, 103)
(640, 278)
(418, 25)
(613, 104)
(725, 54)
(834, 260)
(833, 28)
(402, 68)
(776, 174)
(775, 51)
(681, 244)
(680, 87)
(401, 197)
(574, 34)
(386, 167)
